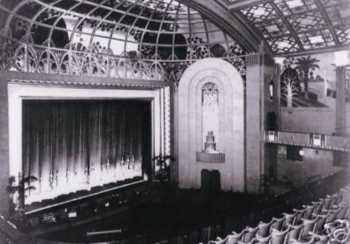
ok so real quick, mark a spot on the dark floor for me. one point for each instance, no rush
(176, 213)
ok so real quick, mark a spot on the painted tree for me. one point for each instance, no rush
(290, 85)
(305, 66)
(20, 189)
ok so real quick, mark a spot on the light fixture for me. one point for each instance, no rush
(301, 152)
(271, 89)
(341, 58)
(72, 215)
(271, 136)
(316, 140)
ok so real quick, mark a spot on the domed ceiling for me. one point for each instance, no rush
(171, 30)
(148, 29)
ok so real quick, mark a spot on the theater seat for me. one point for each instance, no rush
(235, 237)
(289, 219)
(293, 241)
(308, 226)
(264, 229)
(277, 223)
(249, 234)
(219, 241)
(294, 231)
(262, 240)
(278, 237)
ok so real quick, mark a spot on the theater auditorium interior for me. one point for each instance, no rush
(174, 121)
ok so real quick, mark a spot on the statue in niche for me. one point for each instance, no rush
(210, 145)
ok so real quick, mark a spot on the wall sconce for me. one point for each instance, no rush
(316, 140)
(271, 136)
(301, 153)
(271, 89)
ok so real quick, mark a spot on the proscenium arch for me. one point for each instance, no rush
(231, 119)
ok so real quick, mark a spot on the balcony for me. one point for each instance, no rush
(310, 140)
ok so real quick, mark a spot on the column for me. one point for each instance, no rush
(254, 125)
(340, 158)
(4, 146)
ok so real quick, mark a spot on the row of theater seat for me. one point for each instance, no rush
(312, 224)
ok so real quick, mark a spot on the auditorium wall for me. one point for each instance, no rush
(315, 164)
(315, 120)
(4, 149)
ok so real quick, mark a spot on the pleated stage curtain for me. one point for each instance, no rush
(75, 145)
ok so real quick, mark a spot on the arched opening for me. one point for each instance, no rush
(211, 124)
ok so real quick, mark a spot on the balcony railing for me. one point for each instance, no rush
(317, 141)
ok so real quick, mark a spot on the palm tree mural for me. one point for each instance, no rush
(23, 187)
(290, 86)
(305, 66)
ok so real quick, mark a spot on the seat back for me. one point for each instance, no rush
(308, 210)
(263, 240)
(264, 229)
(294, 231)
(310, 241)
(342, 212)
(249, 234)
(278, 237)
(277, 223)
(298, 216)
(308, 226)
(288, 219)
(319, 225)
(234, 237)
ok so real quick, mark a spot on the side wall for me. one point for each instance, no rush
(4, 146)
(316, 163)
(308, 120)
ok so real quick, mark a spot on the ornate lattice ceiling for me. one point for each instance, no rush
(148, 29)
(172, 29)
(297, 26)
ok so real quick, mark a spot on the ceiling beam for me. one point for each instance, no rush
(327, 20)
(287, 24)
(314, 51)
(239, 4)
(222, 17)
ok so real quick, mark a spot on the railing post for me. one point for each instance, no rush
(26, 65)
(47, 61)
(69, 61)
(108, 66)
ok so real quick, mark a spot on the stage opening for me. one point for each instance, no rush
(78, 145)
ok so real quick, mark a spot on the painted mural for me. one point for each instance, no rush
(309, 81)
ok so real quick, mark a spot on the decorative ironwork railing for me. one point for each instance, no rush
(24, 57)
(317, 141)
(28, 57)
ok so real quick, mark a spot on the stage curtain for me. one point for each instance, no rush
(76, 145)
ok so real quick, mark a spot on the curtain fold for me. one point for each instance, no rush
(78, 144)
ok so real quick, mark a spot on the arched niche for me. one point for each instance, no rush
(229, 138)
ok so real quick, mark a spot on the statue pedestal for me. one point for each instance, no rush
(205, 157)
